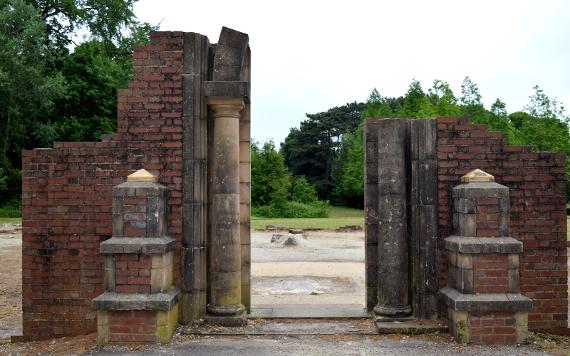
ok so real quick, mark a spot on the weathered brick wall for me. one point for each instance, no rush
(538, 209)
(67, 193)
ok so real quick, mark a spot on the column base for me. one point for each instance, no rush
(393, 311)
(239, 319)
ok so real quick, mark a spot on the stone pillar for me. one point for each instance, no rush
(393, 278)
(483, 299)
(224, 245)
(140, 304)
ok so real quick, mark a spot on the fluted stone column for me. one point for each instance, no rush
(224, 305)
(393, 274)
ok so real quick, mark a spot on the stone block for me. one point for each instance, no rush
(130, 245)
(484, 302)
(136, 301)
(483, 245)
(227, 88)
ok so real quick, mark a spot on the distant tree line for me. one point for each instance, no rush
(56, 85)
(327, 148)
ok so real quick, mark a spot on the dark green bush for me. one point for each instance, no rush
(12, 209)
(291, 209)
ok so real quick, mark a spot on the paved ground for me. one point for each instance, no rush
(322, 275)
(323, 345)
(10, 281)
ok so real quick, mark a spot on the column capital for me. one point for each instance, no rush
(226, 106)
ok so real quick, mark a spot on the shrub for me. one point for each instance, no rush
(12, 209)
(292, 209)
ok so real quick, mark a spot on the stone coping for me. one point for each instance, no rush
(480, 190)
(138, 189)
(465, 244)
(137, 301)
(484, 302)
(145, 245)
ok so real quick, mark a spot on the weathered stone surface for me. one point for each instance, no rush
(229, 55)
(136, 301)
(228, 89)
(393, 286)
(480, 190)
(478, 245)
(196, 52)
(484, 302)
(147, 246)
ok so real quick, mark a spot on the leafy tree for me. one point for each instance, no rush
(100, 19)
(302, 191)
(27, 89)
(270, 179)
(311, 149)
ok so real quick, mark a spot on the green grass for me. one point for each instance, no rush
(339, 216)
(10, 220)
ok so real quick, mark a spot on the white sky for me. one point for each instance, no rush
(309, 56)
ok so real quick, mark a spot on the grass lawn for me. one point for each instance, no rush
(340, 216)
(10, 220)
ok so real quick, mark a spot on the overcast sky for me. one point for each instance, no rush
(309, 56)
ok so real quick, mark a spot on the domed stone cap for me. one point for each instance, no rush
(142, 175)
(477, 176)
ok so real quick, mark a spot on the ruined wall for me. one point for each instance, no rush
(67, 206)
(538, 209)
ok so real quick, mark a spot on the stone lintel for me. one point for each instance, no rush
(481, 190)
(484, 302)
(474, 245)
(227, 89)
(138, 189)
(145, 245)
(137, 301)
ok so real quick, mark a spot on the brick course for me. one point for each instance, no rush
(537, 210)
(67, 193)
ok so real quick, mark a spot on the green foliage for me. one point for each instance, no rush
(11, 209)
(105, 20)
(293, 209)
(272, 193)
(543, 125)
(303, 192)
(312, 149)
(48, 94)
(270, 179)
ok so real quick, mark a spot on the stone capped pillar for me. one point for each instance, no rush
(224, 244)
(139, 304)
(393, 278)
(483, 299)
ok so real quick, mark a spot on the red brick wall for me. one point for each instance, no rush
(132, 273)
(490, 273)
(538, 209)
(492, 327)
(67, 204)
(132, 326)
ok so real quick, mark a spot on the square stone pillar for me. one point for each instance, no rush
(139, 304)
(483, 299)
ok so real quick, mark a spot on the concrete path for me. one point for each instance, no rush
(325, 345)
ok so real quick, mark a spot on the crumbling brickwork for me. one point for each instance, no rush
(536, 185)
(67, 208)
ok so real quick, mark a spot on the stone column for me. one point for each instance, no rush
(393, 279)
(225, 306)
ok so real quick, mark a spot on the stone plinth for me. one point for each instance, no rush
(140, 304)
(483, 299)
